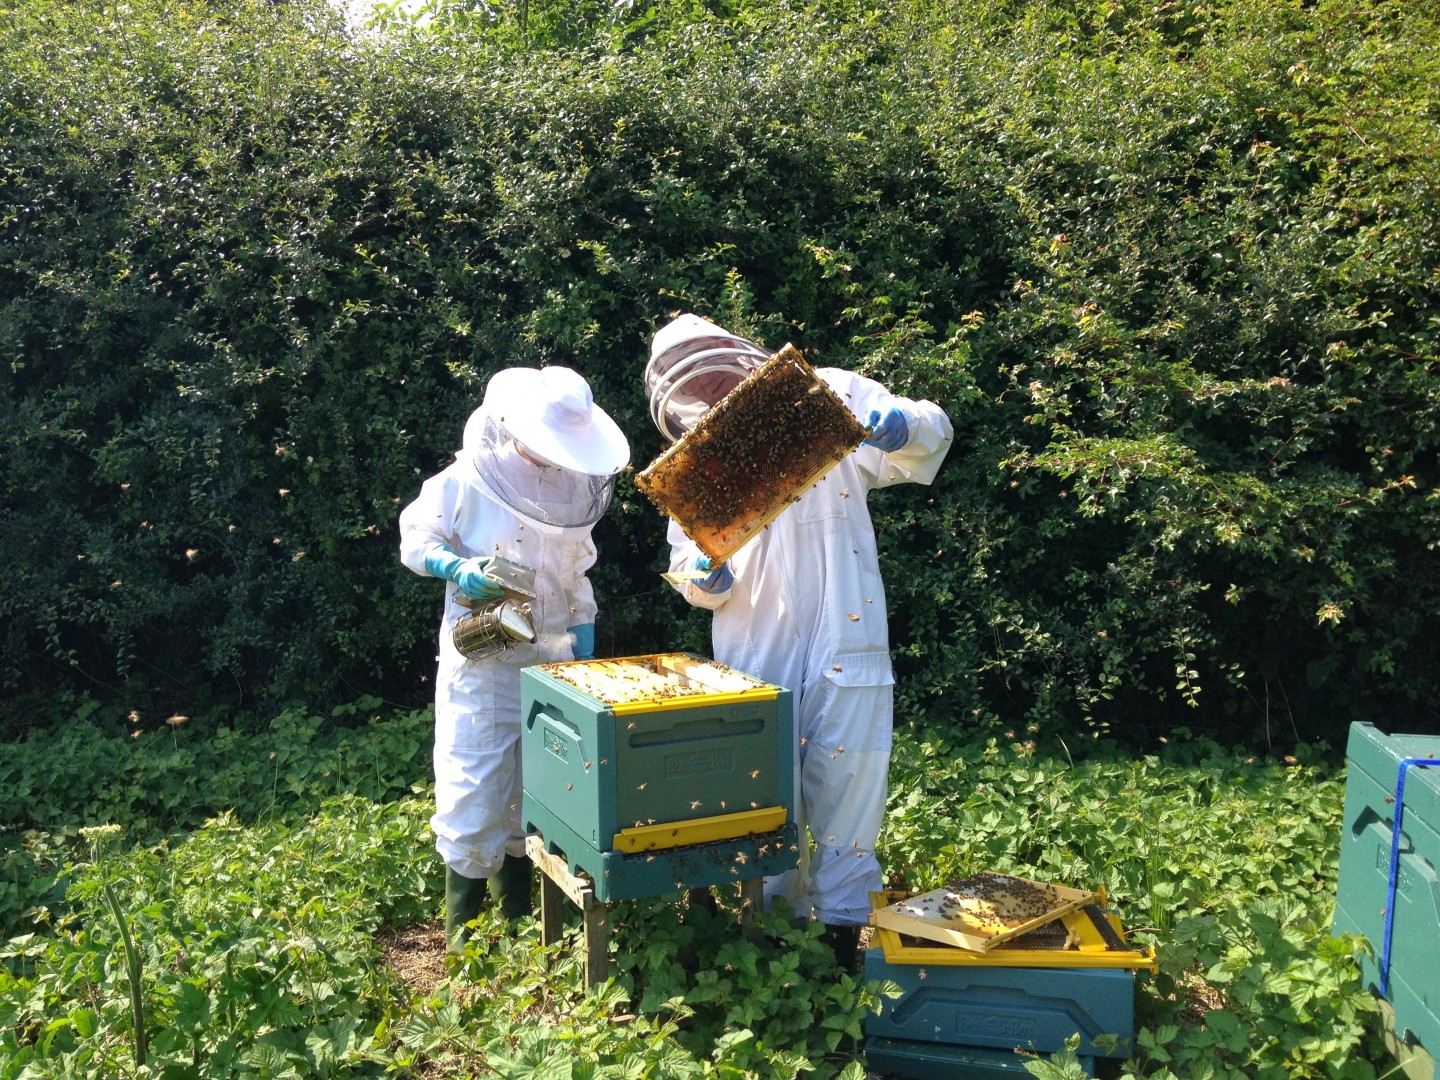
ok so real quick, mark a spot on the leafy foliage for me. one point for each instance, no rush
(99, 768)
(256, 950)
(1171, 270)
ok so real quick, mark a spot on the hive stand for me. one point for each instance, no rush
(557, 882)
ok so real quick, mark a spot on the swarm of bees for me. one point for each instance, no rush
(752, 455)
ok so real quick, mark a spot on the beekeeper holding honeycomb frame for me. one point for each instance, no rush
(802, 605)
(535, 472)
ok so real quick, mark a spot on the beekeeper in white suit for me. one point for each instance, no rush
(535, 473)
(801, 605)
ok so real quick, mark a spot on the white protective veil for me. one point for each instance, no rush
(544, 449)
(693, 364)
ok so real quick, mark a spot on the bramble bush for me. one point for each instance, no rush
(1173, 271)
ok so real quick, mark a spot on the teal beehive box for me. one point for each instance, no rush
(937, 1061)
(1388, 888)
(1004, 1008)
(656, 773)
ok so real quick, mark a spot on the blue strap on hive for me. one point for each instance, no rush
(1405, 764)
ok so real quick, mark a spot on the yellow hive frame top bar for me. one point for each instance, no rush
(1089, 952)
(702, 830)
(933, 915)
(659, 682)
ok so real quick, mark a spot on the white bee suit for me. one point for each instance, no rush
(477, 702)
(807, 612)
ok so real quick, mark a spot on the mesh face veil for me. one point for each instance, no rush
(550, 497)
(543, 448)
(693, 364)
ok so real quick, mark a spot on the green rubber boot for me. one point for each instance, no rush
(844, 942)
(464, 897)
(511, 888)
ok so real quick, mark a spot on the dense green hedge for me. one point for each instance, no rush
(1173, 270)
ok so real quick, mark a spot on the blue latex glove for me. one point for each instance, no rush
(584, 647)
(888, 433)
(468, 574)
(717, 580)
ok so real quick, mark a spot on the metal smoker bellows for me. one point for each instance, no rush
(657, 773)
(752, 455)
(496, 625)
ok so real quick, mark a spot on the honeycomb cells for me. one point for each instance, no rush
(752, 455)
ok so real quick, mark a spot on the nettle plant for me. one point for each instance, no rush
(234, 950)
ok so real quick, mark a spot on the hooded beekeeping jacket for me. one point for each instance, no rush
(470, 509)
(806, 611)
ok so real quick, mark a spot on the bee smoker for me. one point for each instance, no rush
(493, 626)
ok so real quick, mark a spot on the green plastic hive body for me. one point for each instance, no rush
(1004, 1009)
(1365, 855)
(937, 1061)
(592, 770)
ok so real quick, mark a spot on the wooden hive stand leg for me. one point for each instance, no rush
(552, 915)
(752, 900)
(556, 881)
(597, 942)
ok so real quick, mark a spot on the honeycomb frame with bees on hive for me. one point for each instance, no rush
(981, 911)
(752, 455)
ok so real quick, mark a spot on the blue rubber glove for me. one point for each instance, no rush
(468, 574)
(889, 433)
(717, 580)
(584, 647)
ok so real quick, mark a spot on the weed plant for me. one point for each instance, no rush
(257, 956)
